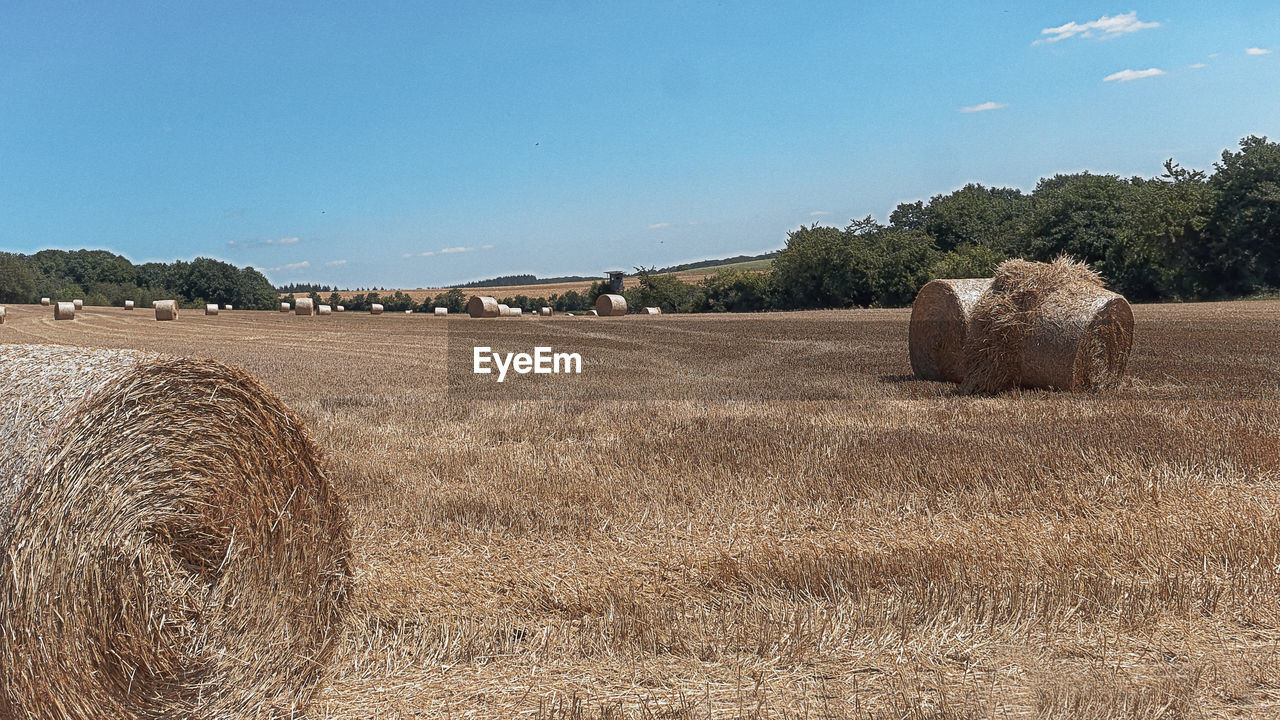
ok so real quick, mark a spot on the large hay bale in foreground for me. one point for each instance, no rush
(939, 324)
(1047, 325)
(483, 306)
(304, 306)
(611, 305)
(64, 311)
(210, 309)
(169, 544)
(167, 309)
(375, 309)
(78, 303)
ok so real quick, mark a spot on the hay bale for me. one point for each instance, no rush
(78, 303)
(3, 313)
(324, 310)
(408, 312)
(611, 305)
(284, 307)
(593, 313)
(483, 306)
(339, 308)
(939, 325)
(167, 309)
(304, 306)
(375, 309)
(169, 544)
(228, 307)
(515, 312)
(64, 311)
(1047, 325)
(442, 311)
(210, 309)
(503, 310)
(544, 311)
(653, 311)
(128, 304)
(45, 302)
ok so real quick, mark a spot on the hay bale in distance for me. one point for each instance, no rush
(653, 311)
(939, 325)
(150, 566)
(284, 307)
(375, 309)
(304, 306)
(210, 309)
(544, 311)
(3, 313)
(167, 309)
(610, 305)
(324, 310)
(128, 304)
(441, 311)
(1047, 325)
(408, 312)
(64, 311)
(339, 308)
(228, 307)
(593, 313)
(483, 306)
(78, 303)
(515, 312)
(46, 302)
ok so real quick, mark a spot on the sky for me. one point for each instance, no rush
(417, 144)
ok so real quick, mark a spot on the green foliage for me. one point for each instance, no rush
(1239, 251)
(17, 279)
(454, 300)
(865, 264)
(968, 261)
(737, 291)
(668, 292)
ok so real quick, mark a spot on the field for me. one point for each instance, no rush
(765, 516)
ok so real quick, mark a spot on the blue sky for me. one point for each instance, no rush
(414, 144)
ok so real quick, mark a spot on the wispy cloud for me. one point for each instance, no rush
(427, 253)
(450, 251)
(1257, 51)
(335, 263)
(1127, 75)
(1105, 27)
(819, 213)
(982, 107)
(291, 267)
(486, 247)
(1197, 66)
(659, 226)
(283, 241)
(261, 243)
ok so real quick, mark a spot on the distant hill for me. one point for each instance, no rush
(514, 280)
(737, 262)
(724, 262)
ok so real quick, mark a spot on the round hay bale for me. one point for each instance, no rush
(503, 310)
(304, 306)
(284, 307)
(324, 310)
(483, 306)
(375, 309)
(515, 312)
(167, 309)
(169, 544)
(653, 311)
(544, 311)
(3, 313)
(442, 311)
(45, 302)
(210, 309)
(939, 325)
(228, 307)
(128, 304)
(78, 303)
(1047, 325)
(593, 313)
(408, 312)
(611, 305)
(339, 308)
(64, 311)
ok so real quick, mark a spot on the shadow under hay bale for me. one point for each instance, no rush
(939, 323)
(611, 305)
(1047, 325)
(169, 544)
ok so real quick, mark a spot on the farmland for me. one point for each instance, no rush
(736, 516)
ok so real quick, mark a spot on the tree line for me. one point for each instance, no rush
(100, 277)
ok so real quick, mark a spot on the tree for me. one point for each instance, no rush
(974, 215)
(1240, 248)
(17, 279)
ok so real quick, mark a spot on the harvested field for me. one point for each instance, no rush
(767, 516)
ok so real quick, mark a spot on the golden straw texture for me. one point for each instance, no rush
(611, 305)
(483, 306)
(169, 544)
(304, 306)
(64, 311)
(166, 309)
(939, 324)
(1047, 325)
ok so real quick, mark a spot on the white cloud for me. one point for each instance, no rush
(260, 243)
(291, 267)
(335, 263)
(1127, 75)
(1197, 66)
(486, 247)
(407, 255)
(1105, 27)
(1257, 51)
(283, 241)
(819, 213)
(659, 226)
(983, 107)
(448, 251)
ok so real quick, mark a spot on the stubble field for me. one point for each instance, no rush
(764, 516)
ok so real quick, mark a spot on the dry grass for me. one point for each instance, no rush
(765, 517)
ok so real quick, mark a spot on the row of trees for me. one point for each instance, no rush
(102, 278)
